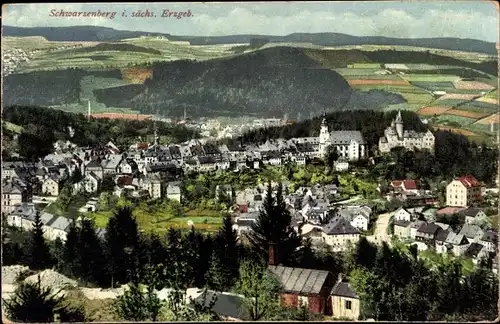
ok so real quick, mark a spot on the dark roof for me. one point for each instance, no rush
(93, 164)
(428, 228)
(339, 226)
(206, 159)
(343, 289)
(300, 281)
(442, 235)
(471, 212)
(473, 249)
(401, 223)
(490, 236)
(226, 305)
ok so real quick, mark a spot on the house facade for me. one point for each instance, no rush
(345, 301)
(463, 191)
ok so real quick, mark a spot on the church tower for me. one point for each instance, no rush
(399, 125)
(324, 137)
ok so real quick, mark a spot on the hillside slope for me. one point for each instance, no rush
(270, 82)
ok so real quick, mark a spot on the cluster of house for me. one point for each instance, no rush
(54, 227)
(471, 239)
(314, 212)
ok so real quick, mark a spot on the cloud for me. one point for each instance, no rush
(477, 20)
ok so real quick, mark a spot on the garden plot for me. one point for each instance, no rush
(431, 111)
(458, 96)
(454, 121)
(472, 85)
(364, 66)
(434, 86)
(466, 113)
(494, 118)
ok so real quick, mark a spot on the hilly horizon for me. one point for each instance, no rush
(96, 33)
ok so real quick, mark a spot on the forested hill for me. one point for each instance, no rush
(269, 82)
(95, 33)
(41, 127)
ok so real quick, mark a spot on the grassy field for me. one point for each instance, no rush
(454, 121)
(359, 72)
(68, 58)
(160, 221)
(429, 77)
(364, 66)
(36, 42)
(432, 258)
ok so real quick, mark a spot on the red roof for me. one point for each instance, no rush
(124, 181)
(406, 184)
(142, 146)
(449, 210)
(469, 181)
(409, 184)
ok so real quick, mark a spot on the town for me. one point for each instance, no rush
(333, 216)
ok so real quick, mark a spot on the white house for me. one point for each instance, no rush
(458, 243)
(12, 195)
(50, 187)
(174, 192)
(339, 234)
(402, 215)
(360, 221)
(153, 186)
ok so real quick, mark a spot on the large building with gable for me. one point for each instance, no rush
(350, 145)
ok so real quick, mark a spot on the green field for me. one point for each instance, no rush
(357, 71)
(449, 102)
(160, 221)
(364, 66)
(430, 77)
(373, 77)
(469, 107)
(411, 94)
(70, 58)
(454, 121)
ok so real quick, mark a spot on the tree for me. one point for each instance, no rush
(107, 184)
(138, 304)
(224, 263)
(260, 288)
(33, 303)
(331, 155)
(76, 176)
(64, 198)
(90, 254)
(39, 257)
(121, 240)
(70, 256)
(274, 226)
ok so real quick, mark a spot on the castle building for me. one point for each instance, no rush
(396, 136)
(350, 145)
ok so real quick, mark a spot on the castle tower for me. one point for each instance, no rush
(399, 125)
(324, 137)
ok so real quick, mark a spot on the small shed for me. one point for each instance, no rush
(306, 287)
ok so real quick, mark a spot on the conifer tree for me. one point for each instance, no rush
(274, 226)
(71, 262)
(121, 239)
(90, 254)
(40, 257)
(33, 303)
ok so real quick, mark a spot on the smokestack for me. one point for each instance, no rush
(272, 254)
(89, 110)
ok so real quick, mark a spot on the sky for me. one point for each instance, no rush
(474, 19)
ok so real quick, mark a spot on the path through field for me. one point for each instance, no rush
(380, 234)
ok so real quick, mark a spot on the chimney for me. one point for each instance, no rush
(272, 254)
(341, 277)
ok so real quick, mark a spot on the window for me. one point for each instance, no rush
(348, 304)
